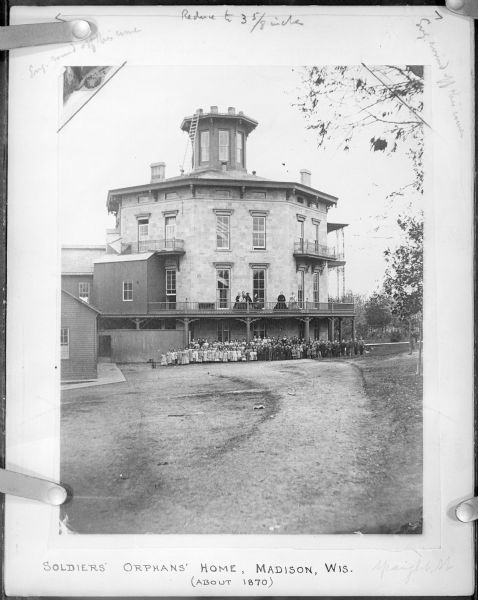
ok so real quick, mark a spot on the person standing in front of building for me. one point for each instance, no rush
(237, 302)
(281, 305)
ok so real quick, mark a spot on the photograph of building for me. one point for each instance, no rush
(245, 271)
(186, 248)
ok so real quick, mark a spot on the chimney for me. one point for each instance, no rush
(305, 177)
(158, 171)
(214, 110)
(231, 110)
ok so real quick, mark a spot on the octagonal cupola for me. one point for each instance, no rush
(218, 139)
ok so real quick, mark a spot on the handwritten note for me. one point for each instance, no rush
(92, 44)
(409, 569)
(256, 21)
(446, 82)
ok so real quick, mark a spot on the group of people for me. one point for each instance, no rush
(273, 348)
(244, 301)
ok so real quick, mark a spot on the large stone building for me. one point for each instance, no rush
(184, 248)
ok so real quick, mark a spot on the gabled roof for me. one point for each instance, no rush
(115, 258)
(81, 302)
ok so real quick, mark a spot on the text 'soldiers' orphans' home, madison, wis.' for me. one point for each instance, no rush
(186, 248)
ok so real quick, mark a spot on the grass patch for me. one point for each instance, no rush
(396, 393)
(392, 378)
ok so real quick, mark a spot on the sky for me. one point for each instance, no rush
(134, 120)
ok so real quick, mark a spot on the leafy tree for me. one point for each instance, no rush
(377, 311)
(403, 281)
(380, 104)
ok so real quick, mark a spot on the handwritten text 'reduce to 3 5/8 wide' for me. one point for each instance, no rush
(256, 20)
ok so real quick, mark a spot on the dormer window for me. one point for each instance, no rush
(204, 146)
(224, 145)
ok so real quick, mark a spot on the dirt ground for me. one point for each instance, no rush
(286, 447)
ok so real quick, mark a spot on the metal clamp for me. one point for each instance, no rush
(30, 487)
(38, 34)
(466, 8)
(468, 510)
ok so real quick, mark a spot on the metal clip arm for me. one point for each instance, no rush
(38, 34)
(30, 487)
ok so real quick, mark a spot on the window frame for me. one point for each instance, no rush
(142, 237)
(264, 233)
(300, 288)
(141, 224)
(171, 219)
(259, 326)
(128, 289)
(64, 345)
(240, 148)
(228, 217)
(316, 288)
(171, 292)
(226, 301)
(204, 149)
(222, 146)
(87, 284)
(261, 300)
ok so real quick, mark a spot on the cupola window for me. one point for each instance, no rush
(204, 146)
(240, 148)
(224, 145)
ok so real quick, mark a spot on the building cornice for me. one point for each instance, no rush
(237, 182)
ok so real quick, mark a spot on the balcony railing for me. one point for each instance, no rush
(257, 308)
(166, 246)
(302, 246)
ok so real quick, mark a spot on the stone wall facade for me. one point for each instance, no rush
(196, 216)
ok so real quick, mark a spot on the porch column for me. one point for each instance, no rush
(332, 329)
(248, 329)
(353, 329)
(186, 332)
(307, 329)
(340, 328)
